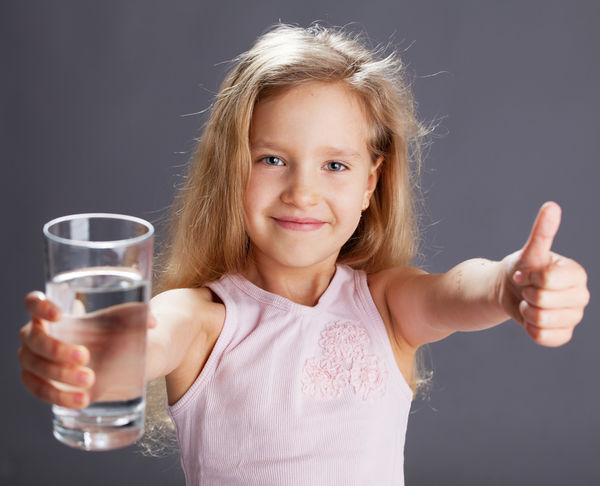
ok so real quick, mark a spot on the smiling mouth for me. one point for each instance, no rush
(299, 224)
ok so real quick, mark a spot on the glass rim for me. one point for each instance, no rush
(98, 244)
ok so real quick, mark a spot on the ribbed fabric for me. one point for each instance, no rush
(296, 395)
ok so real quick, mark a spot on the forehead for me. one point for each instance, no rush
(319, 111)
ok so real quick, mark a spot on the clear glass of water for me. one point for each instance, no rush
(98, 271)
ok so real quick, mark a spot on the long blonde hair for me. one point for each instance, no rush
(208, 238)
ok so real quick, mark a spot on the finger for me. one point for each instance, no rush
(152, 323)
(72, 375)
(549, 337)
(48, 392)
(35, 337)
(564, 273)
(576, 297)
(38, 305)
(536, 252)
(550, 318)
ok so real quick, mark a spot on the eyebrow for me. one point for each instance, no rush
(329, 151)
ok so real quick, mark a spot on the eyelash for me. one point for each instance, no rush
(267, 161)
(343, 166)
(270, 157)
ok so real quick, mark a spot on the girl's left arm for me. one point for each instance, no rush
(544, 292)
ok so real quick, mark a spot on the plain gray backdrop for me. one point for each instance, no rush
(98, 114)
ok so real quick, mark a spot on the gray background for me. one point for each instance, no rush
(93, 101)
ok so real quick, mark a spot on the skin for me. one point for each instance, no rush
(311, 178)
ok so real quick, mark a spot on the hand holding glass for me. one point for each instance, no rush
(98, 271)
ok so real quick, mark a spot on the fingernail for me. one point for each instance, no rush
(83, 378)
(80, 399)
(77, 355)
(518, 277)
(522, 306)
(53, 313)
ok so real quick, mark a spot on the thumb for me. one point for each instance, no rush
(536, 252)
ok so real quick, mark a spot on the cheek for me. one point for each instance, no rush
(349, 204)
(253, 196)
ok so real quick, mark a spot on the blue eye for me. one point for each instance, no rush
(272, 160)
(336, 166)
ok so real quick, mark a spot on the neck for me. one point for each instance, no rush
(303, 285)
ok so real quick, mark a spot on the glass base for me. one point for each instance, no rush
(101, 426)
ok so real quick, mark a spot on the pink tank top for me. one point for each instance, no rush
(296, 395)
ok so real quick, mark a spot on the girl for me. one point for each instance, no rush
(289, 319)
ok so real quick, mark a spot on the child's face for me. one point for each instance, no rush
(311, 174)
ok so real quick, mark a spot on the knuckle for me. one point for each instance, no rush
(24, 332)
(541, 317)
(586, 297)
(544, 278)
(55, 396)
(581, 270)
(51, 394)
(533, 331)
(68, 374)
(29, 362)
(26, 380)
(22, 355)
(35, 385)
(532, 314)
(536, 297)
(21, 358)
(55, 348)
(35, 337)
(571, 318)
(543, 336)
(63, 374)
(538, 278)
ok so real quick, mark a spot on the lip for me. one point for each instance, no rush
(299, 224)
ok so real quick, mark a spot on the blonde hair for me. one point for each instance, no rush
(208, 238)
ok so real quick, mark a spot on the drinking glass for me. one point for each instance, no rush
(98, 270)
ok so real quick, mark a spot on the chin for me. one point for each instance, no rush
(300, 259)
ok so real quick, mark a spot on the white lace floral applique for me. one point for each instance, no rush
(344, 363)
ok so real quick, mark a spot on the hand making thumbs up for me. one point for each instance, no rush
(544, 292)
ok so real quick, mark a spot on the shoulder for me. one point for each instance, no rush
(392, 292)
(197, 305)
(189, 314)
(379, 285)
(188, 323)
(388, 289)
(385, 283)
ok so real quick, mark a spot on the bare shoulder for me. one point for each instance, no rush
(386, 286)
(197, 308)
(189, 322)
(408, 296)
(382, 285)
(385, 280)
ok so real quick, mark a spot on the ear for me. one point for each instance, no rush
(372, 182)
(374, 175)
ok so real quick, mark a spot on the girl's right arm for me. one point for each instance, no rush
(184, 325)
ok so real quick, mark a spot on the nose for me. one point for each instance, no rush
(302, 189)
